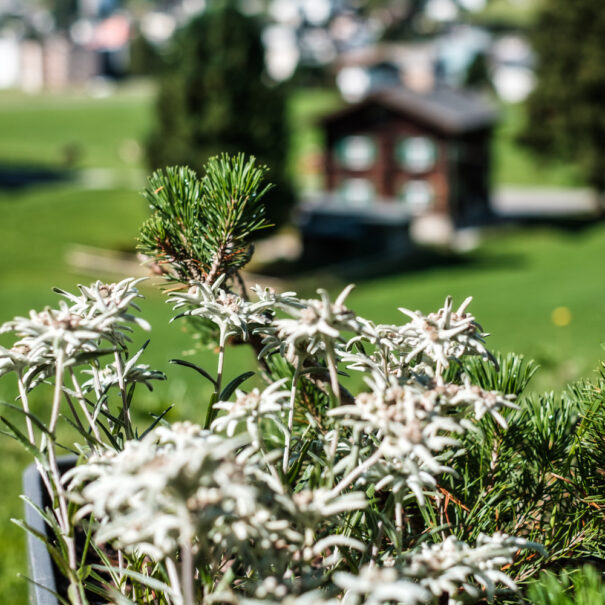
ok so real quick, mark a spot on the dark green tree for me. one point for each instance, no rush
(215, 98)
(565, 112)
(477, 75)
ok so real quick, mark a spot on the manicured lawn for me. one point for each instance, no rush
(517, 278)
(99, 131)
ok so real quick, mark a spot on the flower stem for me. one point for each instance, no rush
(57, 392)
(211, 412)
(187, 573)
(291, 413)
(125, 406)
(174, 580)
(82, 402)
(30, 432)
(25, 404)
(63, 513)
(333, 374)
(356, 472)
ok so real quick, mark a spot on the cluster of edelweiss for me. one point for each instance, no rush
(259, 506)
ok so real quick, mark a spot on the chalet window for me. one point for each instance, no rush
(417, 195)
(357, 192)
(356, 152)
(416, 154)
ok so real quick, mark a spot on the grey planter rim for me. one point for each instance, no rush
(43, 589)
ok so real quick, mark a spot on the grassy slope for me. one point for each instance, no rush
(516, 279)
(39, 128)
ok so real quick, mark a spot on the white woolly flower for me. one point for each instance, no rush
(15, 359)
(376, 585)
(75, 332)
(132, 372)
(413, 429)
(441, 335)
(250, 408)
(277, 300)
(181, 486)
(483, 402)
(385, 360)
(100, 299)
(408, 429)
(60, 329)
(452, 564)
(227, 310)
(314, 327)
(315, 505)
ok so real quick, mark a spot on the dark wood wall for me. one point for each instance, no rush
(459, 177)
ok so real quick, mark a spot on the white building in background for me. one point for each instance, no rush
(32, 66)
(281, 51)
(10, 57)
(513, 73)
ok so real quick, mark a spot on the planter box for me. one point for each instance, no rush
(42, 570)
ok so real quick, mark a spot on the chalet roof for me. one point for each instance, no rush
(449, 110)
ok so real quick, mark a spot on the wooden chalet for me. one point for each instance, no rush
(398, 155)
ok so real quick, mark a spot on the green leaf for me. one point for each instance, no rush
(58, 555)
(294, 470)
(52, 592)
(135, 575)
(157, 420)
(90, 355)
(29, 415)
(90, 438)
(188, 364)
(19, 436)
(230, 388)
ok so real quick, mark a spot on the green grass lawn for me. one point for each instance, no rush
(517, 278)
(41, 129)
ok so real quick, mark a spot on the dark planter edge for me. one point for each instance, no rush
(39, 561)
(41, 568)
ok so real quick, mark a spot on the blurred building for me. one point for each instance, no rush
(396, 158)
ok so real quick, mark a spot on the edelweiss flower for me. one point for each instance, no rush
(14, 359)
(250, 408)
(443, 334)
(100, 299)
(408, 430)
(182, 486)
(315, 327)
(316, 505)
(483, 402)
(376, 585)
(449, 565)
(227, 310)
(76, 332)
(132, 372)
(386, 358)
(51, 331)
(284, 300)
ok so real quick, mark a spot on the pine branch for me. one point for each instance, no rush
(200, 228)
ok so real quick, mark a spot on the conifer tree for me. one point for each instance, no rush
(566, 117)
(215, 98)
